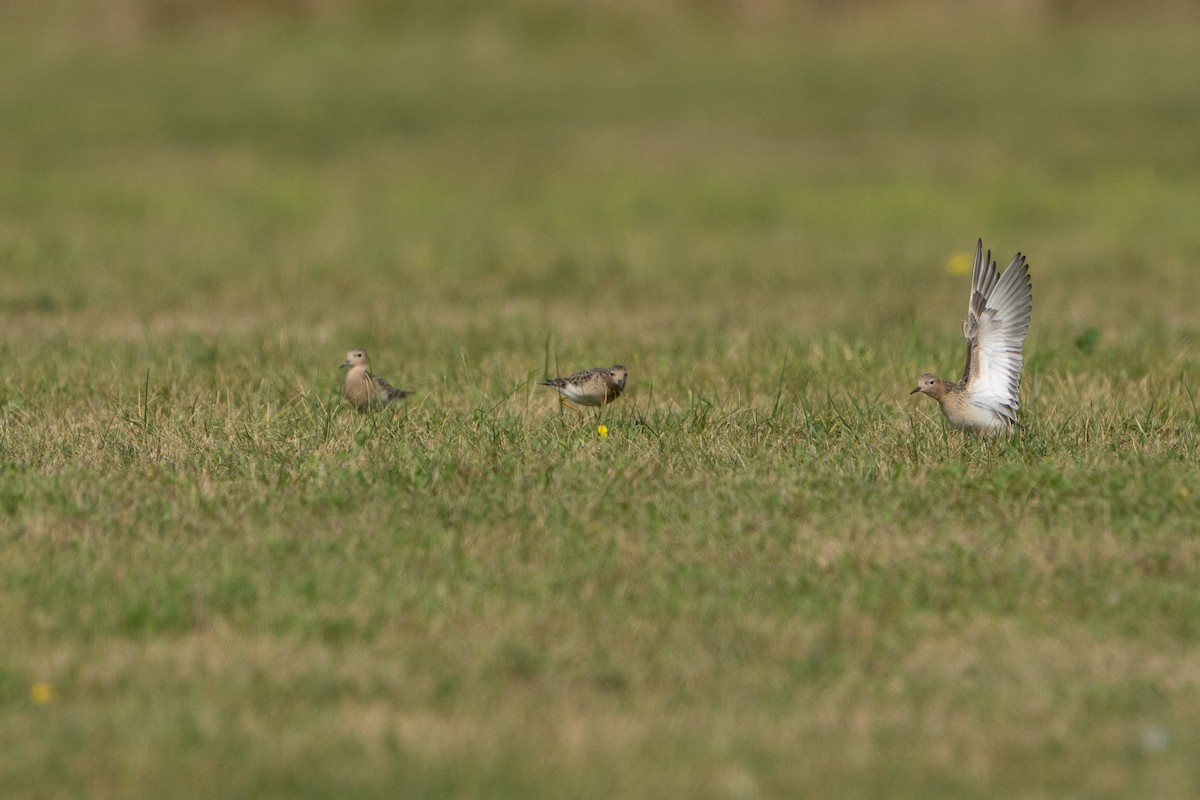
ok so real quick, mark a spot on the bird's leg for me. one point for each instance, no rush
(565, 403)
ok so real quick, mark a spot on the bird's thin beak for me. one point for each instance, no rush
(345, 364)
(914, 391)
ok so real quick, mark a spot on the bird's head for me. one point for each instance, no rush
(356, 358)
(929, 384)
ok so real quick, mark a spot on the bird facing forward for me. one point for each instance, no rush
(986, 399)
(593, 387)
(364, 390)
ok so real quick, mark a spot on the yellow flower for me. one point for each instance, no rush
(602, 430)
(41, 693)
(959, 264)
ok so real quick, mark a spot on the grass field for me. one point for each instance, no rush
(778, 575)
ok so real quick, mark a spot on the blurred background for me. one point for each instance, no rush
(477, 175)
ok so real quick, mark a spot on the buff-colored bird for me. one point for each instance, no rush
(364, 390)
(986, 399)
(593, 387)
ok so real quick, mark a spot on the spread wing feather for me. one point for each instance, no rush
(983, 281)
(998, 319)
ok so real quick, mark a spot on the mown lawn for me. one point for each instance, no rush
(778, 575)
